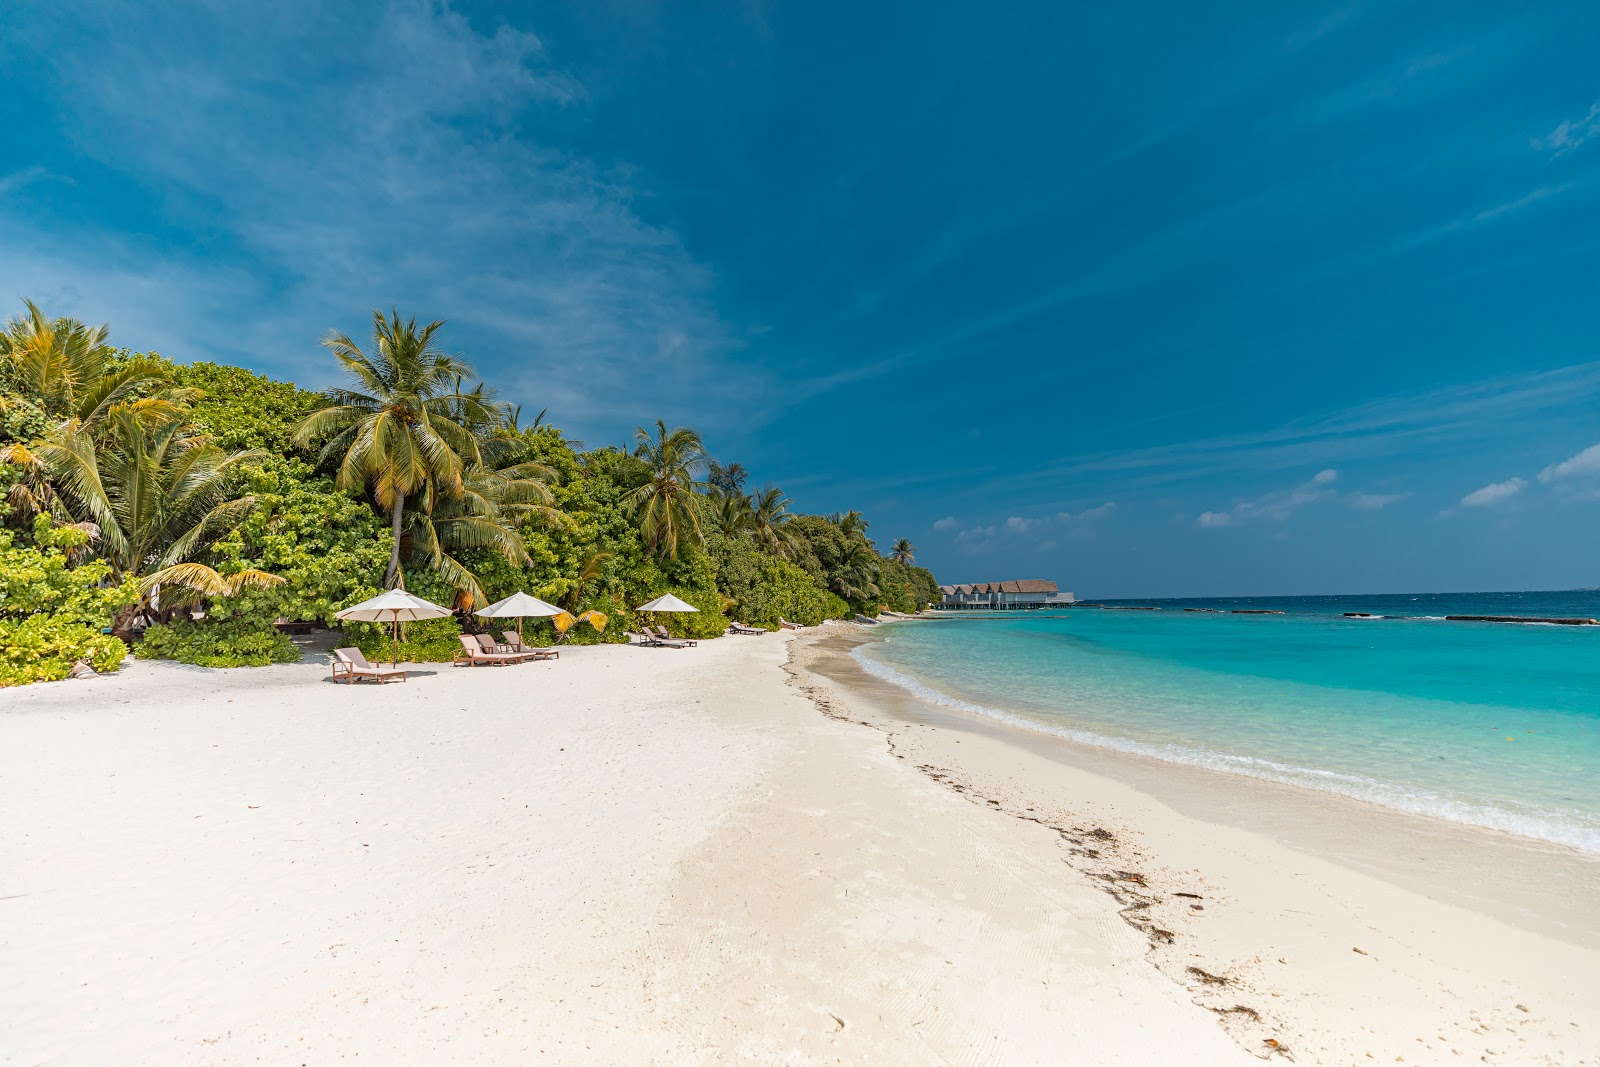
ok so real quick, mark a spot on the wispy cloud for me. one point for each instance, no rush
(949, 522)
(402, 174)
(1494, 493)
(1373, 501)
(1571, 134)
(1386, 426)
(1277, 506)
(1090, 514)
(1044, 527)
(1584, 464)
(17, 179)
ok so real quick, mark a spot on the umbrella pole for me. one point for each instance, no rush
(394, 659)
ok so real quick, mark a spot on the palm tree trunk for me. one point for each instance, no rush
(391, 577)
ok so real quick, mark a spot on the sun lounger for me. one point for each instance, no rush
(473, 654)
(494, 648)
(788, 625)
(741, 628)
(350, 665)
(514, 643)
(665, 638)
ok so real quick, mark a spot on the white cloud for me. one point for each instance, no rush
(949, 522)
(1571, 134)
(1373, 501)
(1585, 463)
(1493, 493)
(1018, 524)
(1274, 507)
(1090, 514)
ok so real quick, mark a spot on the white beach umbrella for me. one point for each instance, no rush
(394, 607)
(519, 606)
(666, 602)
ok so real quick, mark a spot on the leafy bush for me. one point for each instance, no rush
(235, 642)
(834, 607)
(52, 611)
(41, 578)
(241, 409)
(429, 641)
(43, 648)
(327, 546)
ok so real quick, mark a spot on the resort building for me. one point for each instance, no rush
(1002, 596)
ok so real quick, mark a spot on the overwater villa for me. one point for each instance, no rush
(1003, 596)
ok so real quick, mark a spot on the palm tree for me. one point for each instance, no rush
(850, 523)
(160, 499)
(903, 552)
(730, 479)
(493, 501)
(665, 503)
(592, 568)
(405, 426)
(66, 369)
(855, 575)
(731, 514)
(770, 513)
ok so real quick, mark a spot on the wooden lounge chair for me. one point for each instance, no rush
(473, 654)
(665, 638)
(494, 648)
(351, 666)
(741, 628)
(785, 624)
(514, 643)
(650, 640)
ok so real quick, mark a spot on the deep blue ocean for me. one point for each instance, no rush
(1492, 724)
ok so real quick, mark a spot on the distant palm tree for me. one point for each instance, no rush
(770, 512)
(160, 499)
(665, 504)
(903, 552)
(855, 576)
(405, 427)
(730, 514)
(67, 369)
(730, 479)
(850, 523)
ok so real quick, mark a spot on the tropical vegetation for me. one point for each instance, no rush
(187, 508)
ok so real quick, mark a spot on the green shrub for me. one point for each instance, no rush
(42, 579)
(237, 642)
(429, 641)
(43, 648)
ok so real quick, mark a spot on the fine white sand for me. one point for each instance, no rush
(628, 856)
(660, 856)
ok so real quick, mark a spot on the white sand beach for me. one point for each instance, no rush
(673, 856)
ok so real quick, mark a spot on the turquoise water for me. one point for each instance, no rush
(1492, 724)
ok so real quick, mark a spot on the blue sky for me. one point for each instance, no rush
(1152, 299)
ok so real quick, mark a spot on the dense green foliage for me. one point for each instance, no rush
(232, 642)
(52, 609)
(269, 502)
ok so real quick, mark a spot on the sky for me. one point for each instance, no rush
(1151, 299)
